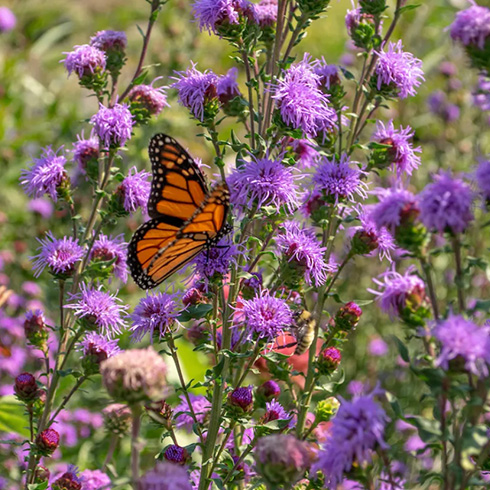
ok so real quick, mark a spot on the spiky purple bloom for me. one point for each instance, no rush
(47, 173)
(399, 70)
(107, 249)
(85, 60)
(357, 429)
(113, 125)
(352, 19)
(300, 101)
(151, 98)
(41, 206)
(461, 338)
(210, 14)
(374, 238)
(7, 19)
(472, 26)
(446, 204)
(95, 480)
(263, 182)
(267, 316)
(392, 203)
(301, 246)
(100, 346)
(201, 408)
(275, 411)
(482, 178)
(85, 150)
(60, 255)
(305, 152)
(99, 308)
(109, 40)
(402, 154)
(154, 314)
(196, 89)
(217, 259)
(329, 74)
(266, 12)
(227, 86)
(135, 190)
(395, 289)
(165, 476)
(339, 180)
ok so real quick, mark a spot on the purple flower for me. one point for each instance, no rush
(439, 105)
(329, 74)
(263, 182)
(461, 338)
(378, 347)
(113, 125)
(401, 153)
(85, 61)
(165, 476)
(95, 480)
(108, 249)
(41, 206)
(200, 405)
(227, 86)
(134, 190)
(399, 71)
(357, 429)
(86, 150)
(275, 411)
(300, 101)
(339, 180)
(211, 14)
(305, 152)
(267, 316)
(7, 19)
(472, 26)
(59, 255)
(109, 40)
(94, 344)
(395, 290)
(352, 19)
(369, 238)
(482, 178)
(46, 175)
(216, 259)
(154, 314)
(266, 12)
(446, 204)
(301, 246)
(481, 95)
(98, 308)
(196, 89)
(150, 98)
(392, 204)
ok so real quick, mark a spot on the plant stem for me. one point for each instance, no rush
(77, 385)
(244, 54)
(110, 451)
(459, 273)
(430, 286)
(240, 460)
(135, 450)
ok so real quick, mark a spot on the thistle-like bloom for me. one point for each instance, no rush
(329, 74)
(339, 180)
(85, 61)
(446, 204)
(46, 175)
(263, 182)
(395, 290)
(267, 316)
(472, 26)
(200, 405)
(266, 12)
(113, 125)
(112, 249)
(392, 204)
(59, 255)
(399, 71)
(154, 315)
(109, 40)
(134, 190)
(216, 260)
(300, 101)
(211, 14)
(301, 246)
(401, 154)
(461, 338)
(85, 150)
(99, 346)
(135, 375)
(196, 89)
(150, 98)
(357, 429)
(482, 178)
(165, 476)
(47, 441)
(305, 152)
(94, 480)
(227, 86)
(275, 411)
(99, 308)
(7, 19)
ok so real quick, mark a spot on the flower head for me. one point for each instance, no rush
(216, 259)
(472, 26)
(269, 390)
(109, 40)
(446, 204)
(200, 405)
(59, 255)
(155, 315)
(117, 418)
(398, 71)
(85, 61)
(134, 190)
(176, 454)
(98, 309)
(227, 86)
(112, 249)
(264, 182)
(275, 411)
(86, 150)
(392, 204)
(47, 441)
(165, 476)
(113, 125)
(147, 97)
(329, 74)
(94, 480)
(98, 347)
(135, 375)
(266, 12)
(329, 360)
(482, 178)
(438, 104)
(25, 387)
(69, 480)
(378, 347)
(211, 14)
(46, 175)
(242, 398)
(41, 206)
(7, 19)
(305, 152)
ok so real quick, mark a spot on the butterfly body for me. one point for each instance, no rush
(186, 215)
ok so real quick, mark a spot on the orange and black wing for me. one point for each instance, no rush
(178, 187)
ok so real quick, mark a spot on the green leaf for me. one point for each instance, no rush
(402, 349)
(38, 486)
(474, 438)
(195, 312)
(406, 8)
(12, 418)
(429, 430)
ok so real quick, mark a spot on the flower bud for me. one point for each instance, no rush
(193, 296)
(326, 409)
(41, 474)
(113, 44)
(117, 418)
(362, 29)
(364, 242)
(329, 360)
(68, 481)
(348, 316)
(269, 390)
(176, 454)
(35, 329)
(147, 101)
(372, 7)
(252, 285)
(47, 442)
(242, 399)
(26, 387)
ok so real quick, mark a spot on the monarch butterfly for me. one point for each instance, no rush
(186, 215)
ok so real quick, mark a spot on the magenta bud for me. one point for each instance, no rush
(269, 390)
(176, 454)
(329, 360)
(26, 387)
(242, 398)
(47, 442)
(347, 317)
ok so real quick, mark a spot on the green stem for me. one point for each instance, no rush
(459, 273)
(430, 286)
(244, 54)
(135, 449)
(77, 385)
(110, 451)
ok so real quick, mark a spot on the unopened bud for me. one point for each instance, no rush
(241, 399)
(329, 360)
(26, 387)
(47, 442)
(176, 454)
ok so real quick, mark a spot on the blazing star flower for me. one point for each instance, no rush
(196, 89)
(301, 246)
(94, 480)
(109, 40)
(368, 237)
(59, 255)
(399, 70)
(401, 154)
(329, 74)
(300, 101)
(472, 26)
(339, 180)
(85, 61)
(227, 86)
(482, 178)
(46, 175)
(211, 14)
(134, 190)
(7, 19)
(267, 316)
(165, 476)
(266, 12)
(305, 152)
(99, 308)
(107, 248)
(464, 339)
(41, 206)
(263, 182)
(113, 125)
(357, 429)
(352, 19)
(200, 405)
(151, 98)
(216, 260)
(99, 346)
(392, 203)
(275, 411)
(395, 289)
(85, 150)
(446, 204)
(154, 314)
